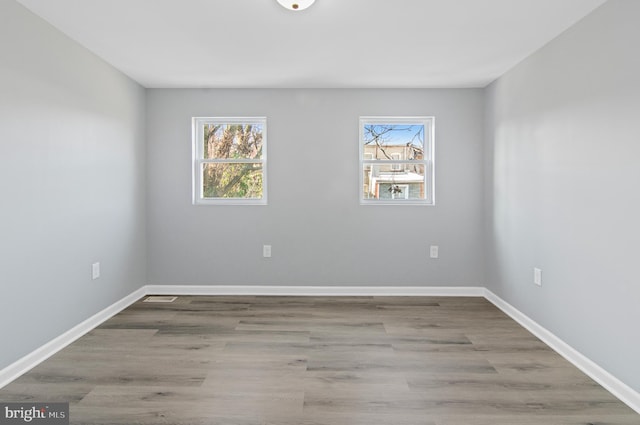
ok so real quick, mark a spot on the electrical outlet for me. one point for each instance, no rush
(537, 276)
(95, 271)
(266, 251)
(433, 251)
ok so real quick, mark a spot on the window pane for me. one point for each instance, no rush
(232, 141)
(394, 141)
(385, 182)
(235, 180)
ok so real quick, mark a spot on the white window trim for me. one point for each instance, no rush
(198, 160)
(428, 160)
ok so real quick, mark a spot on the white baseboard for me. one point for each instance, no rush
(612, 384)
(424, 291)
(31, 360)
(616, 387)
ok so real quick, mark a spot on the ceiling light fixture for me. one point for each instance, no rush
(296, 4)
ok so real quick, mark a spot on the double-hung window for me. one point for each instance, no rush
(397, 160)
(230, 160)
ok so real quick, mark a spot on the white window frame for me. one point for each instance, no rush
(428, 160)
(198, 160)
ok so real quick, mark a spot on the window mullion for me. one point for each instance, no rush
(231, 161)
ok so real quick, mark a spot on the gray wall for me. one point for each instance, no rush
(319, 233)
(563, 187)
(72, 175)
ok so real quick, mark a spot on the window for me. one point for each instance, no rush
(229, 161)
(400, 191)
(397, 166)
(396, 160)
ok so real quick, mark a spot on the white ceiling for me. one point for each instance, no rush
(334, 43)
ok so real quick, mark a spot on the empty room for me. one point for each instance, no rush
(319, 212)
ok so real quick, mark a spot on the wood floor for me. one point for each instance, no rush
(317, 360)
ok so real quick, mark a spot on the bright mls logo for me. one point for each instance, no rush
(34, 413)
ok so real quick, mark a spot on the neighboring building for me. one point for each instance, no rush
(393, 181)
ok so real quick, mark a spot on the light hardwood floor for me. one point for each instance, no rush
(317, 360)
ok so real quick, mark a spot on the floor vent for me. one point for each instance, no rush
(160, 299)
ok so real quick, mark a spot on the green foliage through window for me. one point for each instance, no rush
(230, 159)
